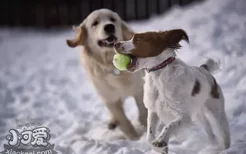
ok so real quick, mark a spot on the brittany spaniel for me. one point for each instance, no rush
(175, 92)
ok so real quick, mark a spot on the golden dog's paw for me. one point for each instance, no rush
(112, 125)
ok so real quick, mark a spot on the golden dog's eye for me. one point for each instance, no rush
(112, 19)
(95, 23)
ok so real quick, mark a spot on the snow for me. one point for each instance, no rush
(42, 79)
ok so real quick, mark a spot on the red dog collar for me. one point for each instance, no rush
(161, 65)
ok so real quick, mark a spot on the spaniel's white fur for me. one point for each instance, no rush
(180, 94)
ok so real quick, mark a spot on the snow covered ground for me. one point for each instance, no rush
(42, 79)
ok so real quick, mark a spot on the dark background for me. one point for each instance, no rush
(50, 13)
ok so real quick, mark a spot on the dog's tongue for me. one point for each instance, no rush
(110, 40)
(132, 65)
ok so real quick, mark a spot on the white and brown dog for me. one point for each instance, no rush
(97, 35)
(174, 92)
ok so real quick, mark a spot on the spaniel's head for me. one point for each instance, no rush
(150, 48)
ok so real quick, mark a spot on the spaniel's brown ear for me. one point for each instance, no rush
(79, 38)
(173, 37)
(127, 32)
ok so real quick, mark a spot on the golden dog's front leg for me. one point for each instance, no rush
(124, 124)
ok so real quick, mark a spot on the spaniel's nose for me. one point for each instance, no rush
(117, 45)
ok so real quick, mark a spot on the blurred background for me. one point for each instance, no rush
(42, 80)
(60, 13)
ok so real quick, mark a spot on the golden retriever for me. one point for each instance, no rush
(97, 35)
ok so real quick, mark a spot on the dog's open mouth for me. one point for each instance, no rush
(108, 42)
(132, 66)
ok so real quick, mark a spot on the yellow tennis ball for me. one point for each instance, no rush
(121, 61)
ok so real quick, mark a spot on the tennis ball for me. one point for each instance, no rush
(121, 61)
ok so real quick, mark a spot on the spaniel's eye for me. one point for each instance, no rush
(137, 39)
(95, 23)
(112, 19)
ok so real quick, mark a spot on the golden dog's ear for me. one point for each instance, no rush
(79, 38)
(127, 32)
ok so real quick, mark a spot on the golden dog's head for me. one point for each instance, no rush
(100, 30)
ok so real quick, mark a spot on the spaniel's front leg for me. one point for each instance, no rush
(161, 142)
(152, 122)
